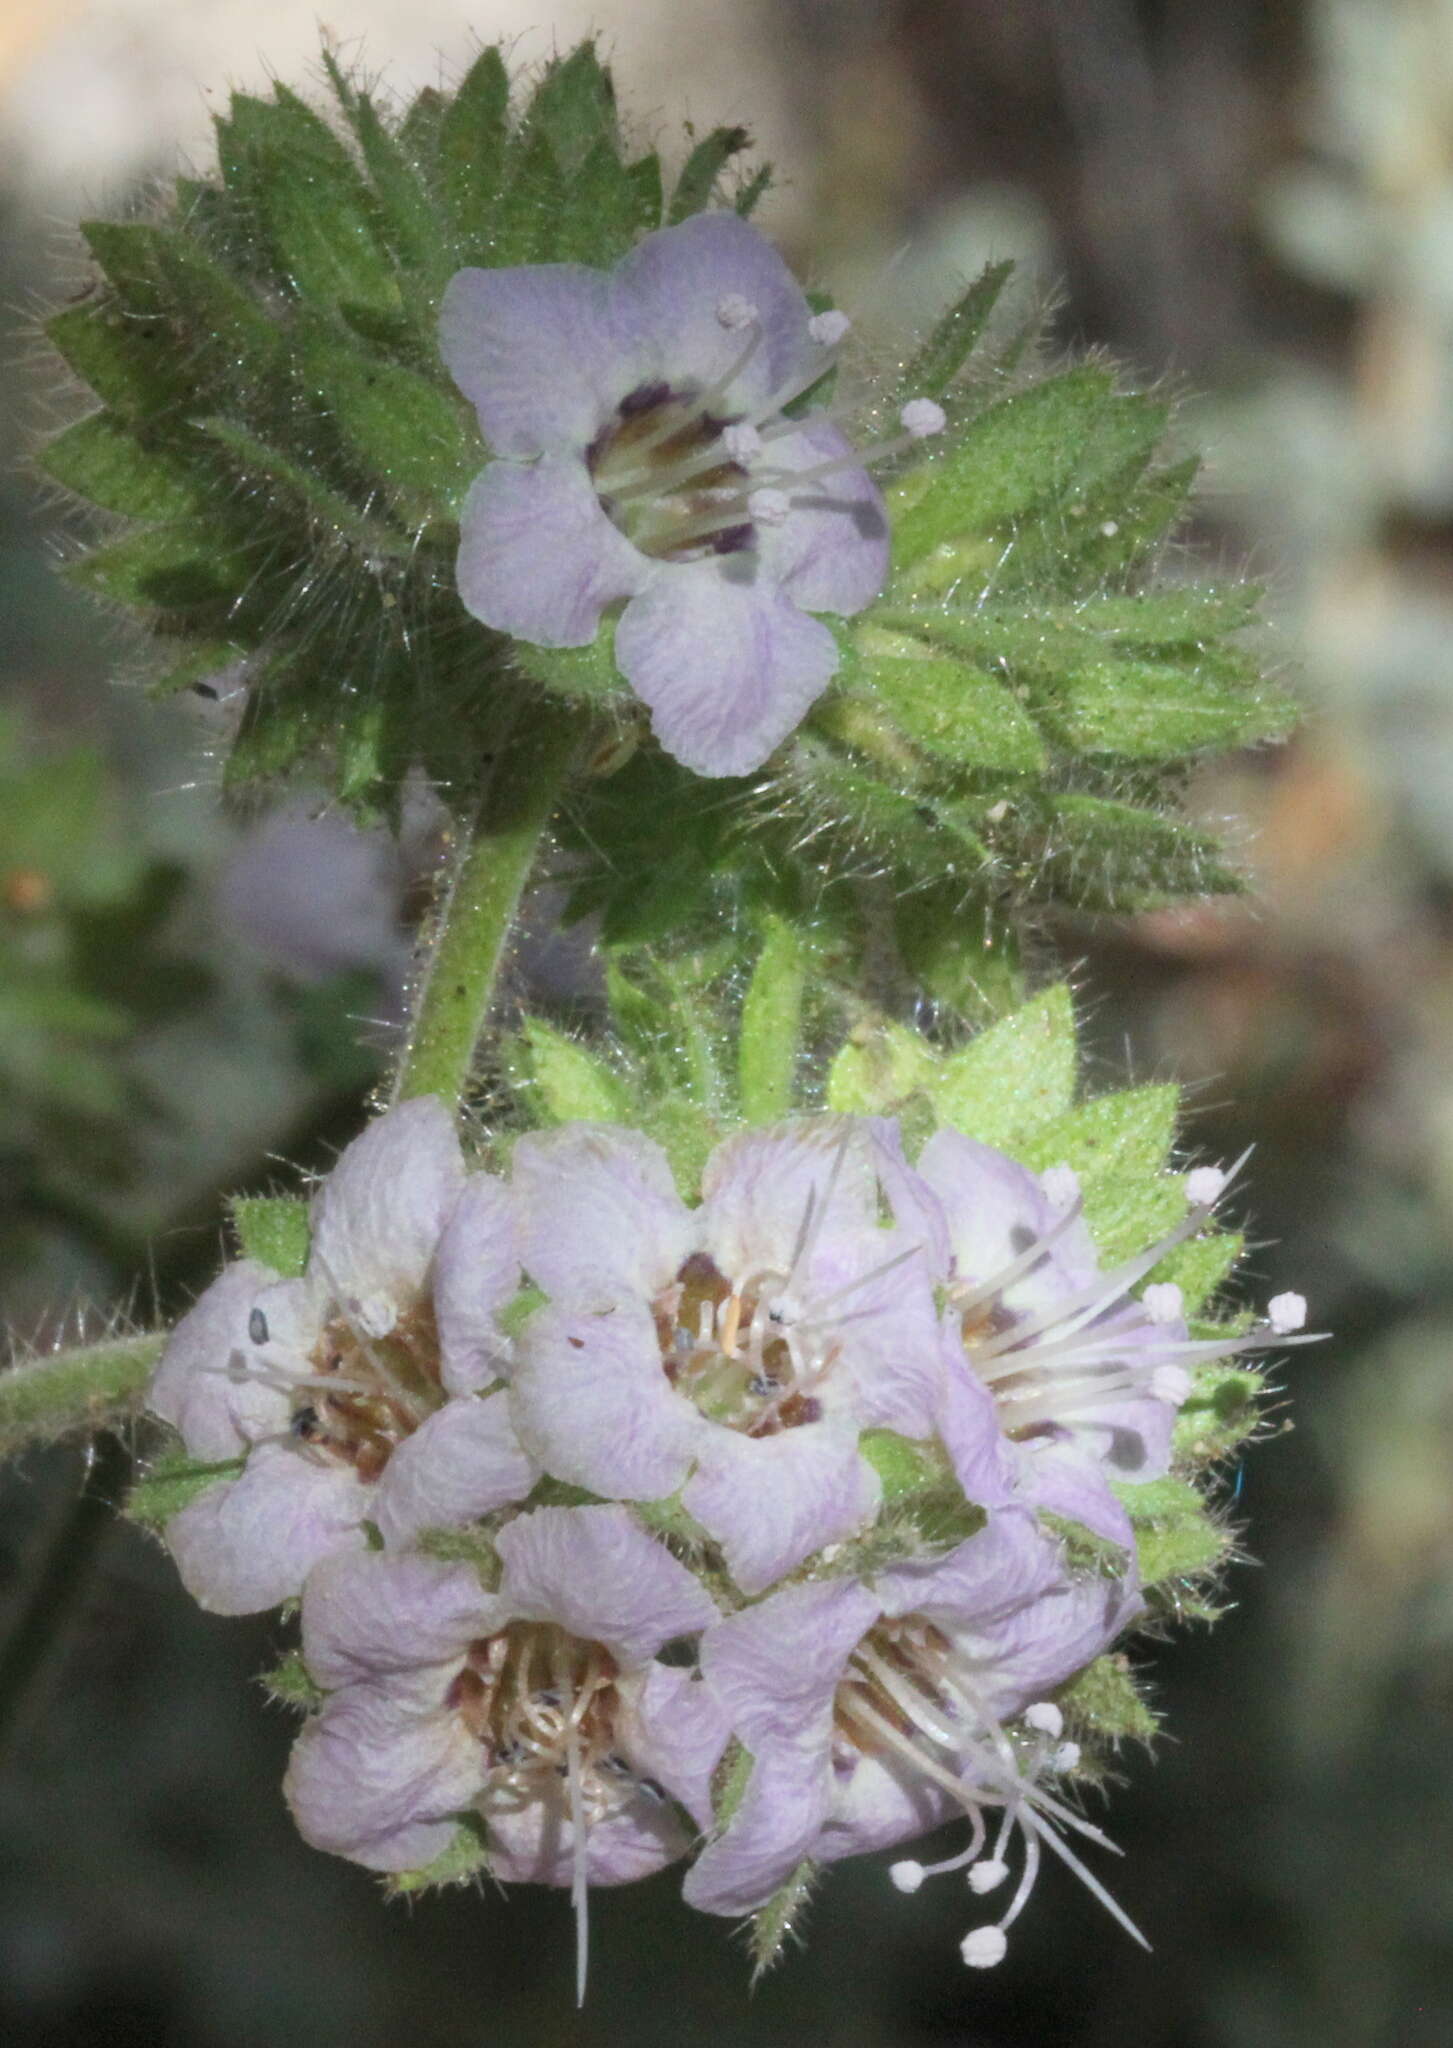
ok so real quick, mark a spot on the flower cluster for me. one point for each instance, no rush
(595, 1498)
(647, 454)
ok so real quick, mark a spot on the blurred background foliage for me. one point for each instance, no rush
(1253, 199)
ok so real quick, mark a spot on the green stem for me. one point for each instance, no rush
(88, 1388)
(479, 903)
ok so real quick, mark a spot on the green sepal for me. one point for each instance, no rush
(1222, 1412)
(404, 428)
(933, 367)
(702, 170)
(1154, 710)
(101, 459)
(291, 1684)
(163, 273)
(568, 1082)
(587, 674)
(1015, 1077)
(517, 1311)
(123, 358)
(1175, 1537)
(470, 1545)
(773, 1924)
(173, 1482)
(955, 711)
(574, 107)
(729, 1781)
(258, 463)
(904, 1468)
(1118, 1145)
(274, 1230)
(1102, 1702)
(770, 1033)
(879, 1068)
(181, 567)
(471, 147)
(465, 1861)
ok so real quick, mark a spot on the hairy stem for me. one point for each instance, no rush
(480, 899)
(87, 1388)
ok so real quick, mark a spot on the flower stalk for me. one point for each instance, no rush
(88, 1388)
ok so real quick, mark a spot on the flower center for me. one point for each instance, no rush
(665, 476)
(728, 1347)
(361, 1396)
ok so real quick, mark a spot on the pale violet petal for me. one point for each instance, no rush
(1046, 1641)
(727, 665)
(777, 1824)
(476, 1272)
(598, 1215)
(775, 1667)
(672, 1729)
(830, 554)
(996, 1208)
(249, 1543)
(770, 1196)
(1064, 1477)
(544, 352)
(985, 1461)
(993, 1575)
(597, 1574)
(464, 1461)
(369, 1615)
(679, 278)
(593, 1406)
(207, 1384)
(378, 1216)
(538, 558)
(380, 1780)
(772, 1501)
(877, 1803)
(532, 1843)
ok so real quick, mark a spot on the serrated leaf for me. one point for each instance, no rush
(173, 1483)
(930, 371)
(471, 145)
(100, 459)
(955, 711)
(274, 1230)
(770, 1033)
(774, 1923)
(570, 1083)
(702, 169)
(881, 1065)
(1014, 1078)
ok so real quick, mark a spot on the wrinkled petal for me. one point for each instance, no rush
(1049, 1639)
(984, 1460)
(778, 1823)
(672, 1729)
(382, 1782)
(593, 1406)
(201, 1386)
(775, 1667)
(876, 1803)
(599, 1217)
(772, 1501)
(599, 1576)
(532, 1842)
(727, 665)
(378, 1216)
(249, 1543)
(538, 558)
(463, 1462)
(1065, 1478)
(476, 1272)
(770, 1196)
(676, 279)
(369, 1615)
(830, 554)
(1007, 1566)
(544, 352)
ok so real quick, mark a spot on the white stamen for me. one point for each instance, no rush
(985, 1947)
(1171, 1384)
(921, 418)
(987, 1876)
(1286, 1312)
(580, 1873)
(769, 507)
(828, 329)
(1046, 1717)
(1163, 1301)
(907, 1876)
(1205, 1183)
(1061, 1184)
(377, 1315)
(733, 311)
(741, 441)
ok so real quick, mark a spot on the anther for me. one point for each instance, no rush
(768, 507)
(1286, 1312)
(829, 328)
(735, 312)
(922, 418)
(907, 1877)
(1163, 1301)
(257, 1327)
(987, 1876)
(1171, 1384)
(741, 441)
(1046, 1717)
(1204, 1184)
(1061, 1184)
(984, 1947)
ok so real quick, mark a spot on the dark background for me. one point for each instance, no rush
(1255, 202)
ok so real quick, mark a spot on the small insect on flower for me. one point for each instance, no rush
(647, 454)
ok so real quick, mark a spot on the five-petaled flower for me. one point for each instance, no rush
(645, 453)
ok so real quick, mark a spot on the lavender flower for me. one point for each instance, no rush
(872, 1712)
(646, 455)
(351, 1393)
(735, 1351)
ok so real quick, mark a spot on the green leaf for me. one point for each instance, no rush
(173, 1483)
(955, 711)
(1175, 1537)
(1222, 1412)
(771, 1026)
(176, 567)
(879, 1068)
(1118, 1146)
(700, 172)
(274, 1230)
(407, 431)
(125, 360)
(1014, 1078)
(463, 1862)
(99, 458)
(1144, 708)
(472, 138)
(574, 107)
(291, 1684)
(929, 372)
(1103, 1702)
(570, 1083)
(775, 1922)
